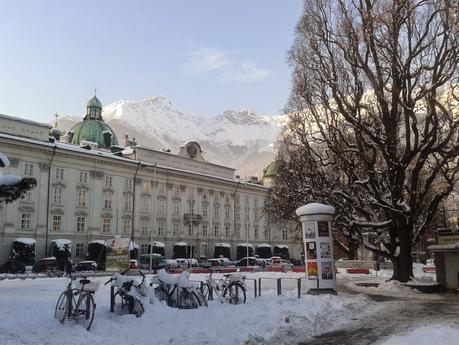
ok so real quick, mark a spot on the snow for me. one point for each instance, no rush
(433, 334)
(4, 161)
(9, 180)
(263, 245)
(159, 244)
(314, 208)
(27, 241)
(180, 244)
(133, 245)
(102, 242)
(267, 319)
(442, 247)
(61, 243)
(226, 245)
(281, 246)
(245, 245)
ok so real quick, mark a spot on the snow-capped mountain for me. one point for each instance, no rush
(243, 139)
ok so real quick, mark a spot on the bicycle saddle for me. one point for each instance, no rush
(84, 281)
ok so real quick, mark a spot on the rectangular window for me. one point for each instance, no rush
(108, 181)
(146, 201)
(162, 206)
(79, 249)
(191, 207)
(127, 202)
(175, 229)
(216, 230)
(57, 195)
(204, 209)
(26, 221)
(255, 215)
(81, 224)
(128, 184)
(28, 169)
(144, 248)
(28, 197)
(106, 225)
(227, 212)
(177, 191)
(227, 231)
(284, 234)
(59, 174)
(238, 231)
(162, 189)
(190, 230)
(237, 213)
(127, 228)
(57, 221)
(160, 228)
(176, 207)
(82, 198)
(216, 211)
(204, 230)
(255, 232)
(83, 177)
(108, 201)
(144, 227)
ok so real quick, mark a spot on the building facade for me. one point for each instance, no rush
(86, 193)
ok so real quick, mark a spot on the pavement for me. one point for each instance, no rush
(396, 315)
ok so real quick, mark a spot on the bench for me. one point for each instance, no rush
(358, 270)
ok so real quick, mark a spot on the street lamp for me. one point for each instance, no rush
(154, 217)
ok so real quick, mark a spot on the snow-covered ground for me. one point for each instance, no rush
(27, 308)
(435, 334)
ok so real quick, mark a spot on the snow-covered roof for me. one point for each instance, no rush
(158, 244)
(133, 245)
(61, 243)
(226, 245)
(314, 208)
(180, 244)
(27, 241)
(102, 242)
(245, 245)
(444, 247)
(8, 180)
(281, 246)
(263, 245)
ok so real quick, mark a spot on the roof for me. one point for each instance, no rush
(26, 121)
(451, 247)
(94, 102)
(270, 170)
(92, 130)
(314, 208)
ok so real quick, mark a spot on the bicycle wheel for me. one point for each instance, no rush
(137, 308)
(234, 293)
(201, 299)
(85, 310)
(187, 300)
(206, 291)
(61, 310)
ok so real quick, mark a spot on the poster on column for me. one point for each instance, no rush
(308, 230)
(322, 229)
(311, 250)
(117, 254)
(326, 270)
(325, 252)
(312, 270)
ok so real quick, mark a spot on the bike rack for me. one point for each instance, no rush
(279, 285)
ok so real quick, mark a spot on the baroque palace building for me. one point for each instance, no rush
(90, 188)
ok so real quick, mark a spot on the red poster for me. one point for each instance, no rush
(312, 268)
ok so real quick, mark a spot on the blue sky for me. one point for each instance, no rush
(205, 56)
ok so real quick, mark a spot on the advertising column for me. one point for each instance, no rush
(318, 247)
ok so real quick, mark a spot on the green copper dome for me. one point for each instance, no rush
(95, 131)
(270, 170)
(94, 102)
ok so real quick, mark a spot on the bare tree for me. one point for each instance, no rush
(374, 106)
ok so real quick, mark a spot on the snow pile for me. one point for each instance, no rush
(62, 243)
(26, 241)
(435, 334)
(28, 307)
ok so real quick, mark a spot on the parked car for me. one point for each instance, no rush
(252, 262)
(185, 263)
(86, 265)
(278, 262)
(45, 265)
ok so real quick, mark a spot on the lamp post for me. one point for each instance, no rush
(47, 200)
(133, 202)
(234, 208)
(154, 217)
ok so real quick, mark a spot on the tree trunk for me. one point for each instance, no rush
(403, 263)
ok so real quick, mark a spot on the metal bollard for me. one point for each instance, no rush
(298, 284)
(259, 286)
(279, 286)
(255, 287)
(112, 299)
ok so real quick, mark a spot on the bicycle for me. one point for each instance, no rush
(231, 289)
(178, 292)
(129, 292)
(81, 309)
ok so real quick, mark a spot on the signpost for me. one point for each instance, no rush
(318, 247)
